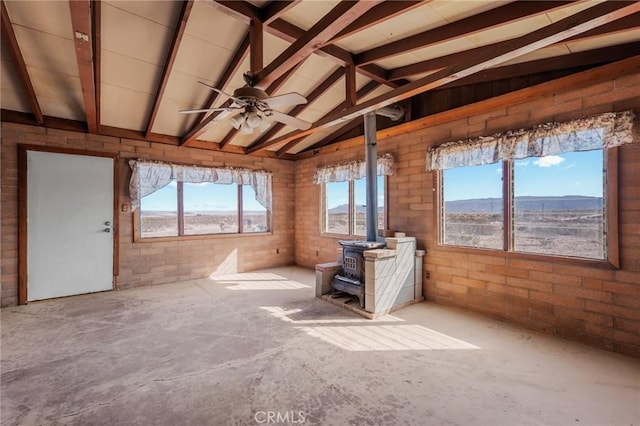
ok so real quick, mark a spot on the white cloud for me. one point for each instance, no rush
(522, 163)
(548, 161)
(173, 183)
(569, 166)
(499, 170)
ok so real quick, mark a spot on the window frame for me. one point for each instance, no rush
(351, 210)
(611, 200)
(137, 229)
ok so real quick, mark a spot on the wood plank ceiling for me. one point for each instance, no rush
(126, 68)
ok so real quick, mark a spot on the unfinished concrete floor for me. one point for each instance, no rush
(231, 350)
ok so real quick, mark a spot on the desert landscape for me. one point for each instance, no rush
(165, 223)
(571, 225)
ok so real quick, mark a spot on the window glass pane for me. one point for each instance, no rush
(254, 215)
(559, 205)
(360, 207)
(336, 218)
(472, 198)
(210, 208)
(159, 213)
(360, 203)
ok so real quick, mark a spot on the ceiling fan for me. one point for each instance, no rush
(251, 108)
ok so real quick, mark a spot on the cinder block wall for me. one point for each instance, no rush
(600, 307)
(150, 263)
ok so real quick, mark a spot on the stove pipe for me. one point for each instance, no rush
(371, 158)
(394, 112)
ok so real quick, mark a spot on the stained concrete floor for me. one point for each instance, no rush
(258, 348)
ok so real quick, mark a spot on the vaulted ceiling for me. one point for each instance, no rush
(126, 68)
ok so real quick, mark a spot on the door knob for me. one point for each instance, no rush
(107, 230)
(107, 223)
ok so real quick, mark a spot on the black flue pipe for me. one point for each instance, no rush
(395, 113)
(371, 158)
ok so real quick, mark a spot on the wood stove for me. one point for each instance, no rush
(351, 281)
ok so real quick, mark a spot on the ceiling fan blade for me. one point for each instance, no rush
(236, 101)
(290, 121)
(286, 99)
(228, 112)
(215, 89)
(193, 111)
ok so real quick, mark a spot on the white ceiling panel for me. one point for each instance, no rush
(129, 73)
(161, 12)
(51, 17)
(452, 11)
(306, 13)
(605, 41)
(131, 35)
(134, 116)
(559, 14)
(207, 24)
(201, 59)
(48, 52)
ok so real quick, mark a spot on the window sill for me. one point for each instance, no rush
(547, 258)
(137, 239)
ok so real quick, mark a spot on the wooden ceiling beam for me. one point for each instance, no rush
(589, 57)
(232, 67)
(576, 81)
(97, 55)
(185, 11)
(17, 117)
(242, 10)
(351, 95)
(364, 91)
(379, 13)
(275, 9)
(290, 33)
(256, 47)
(431, 65)
(9, 36)
(508, 13)
(490, 56)
(315, 94)
(81, 22)
(329, 25)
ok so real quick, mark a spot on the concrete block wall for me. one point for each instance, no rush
(150, 263)
(599, 307)
(390, 275)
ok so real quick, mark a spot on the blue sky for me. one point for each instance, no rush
(573, 173)
(338, 193)
(201, 197)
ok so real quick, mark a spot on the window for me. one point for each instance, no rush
(159, 213)
(472, 213)
(345, 207)
(207, 208)
(557, 205)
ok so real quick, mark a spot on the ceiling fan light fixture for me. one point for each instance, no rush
(237, 121)
(245, 129)
(252, 119)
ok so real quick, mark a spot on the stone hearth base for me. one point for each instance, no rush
(350, 303)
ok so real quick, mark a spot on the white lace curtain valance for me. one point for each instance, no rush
(353, 170)
(597, 132)
(150, 176)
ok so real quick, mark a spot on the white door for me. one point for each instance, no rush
(69, 211)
